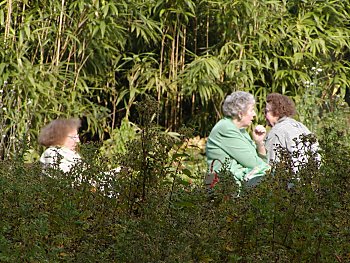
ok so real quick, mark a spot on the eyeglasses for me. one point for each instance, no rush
(267, 110)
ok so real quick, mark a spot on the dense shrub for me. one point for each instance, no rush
(149, 213)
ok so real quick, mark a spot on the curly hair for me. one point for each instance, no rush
(281, 105)
(236, 102)
(55, 133)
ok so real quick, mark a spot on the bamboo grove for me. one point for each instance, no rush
(95, 58)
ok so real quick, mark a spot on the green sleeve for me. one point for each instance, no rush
(240, 147)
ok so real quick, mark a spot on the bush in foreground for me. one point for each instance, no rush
(156, 216)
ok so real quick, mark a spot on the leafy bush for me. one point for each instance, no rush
(156, 216)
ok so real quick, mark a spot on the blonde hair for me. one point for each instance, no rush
(55, 133)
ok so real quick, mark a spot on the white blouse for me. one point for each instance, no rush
(62, 157)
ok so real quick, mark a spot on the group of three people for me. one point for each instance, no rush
(229, 141)
(249, 158)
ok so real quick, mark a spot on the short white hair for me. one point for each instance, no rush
(236, 102)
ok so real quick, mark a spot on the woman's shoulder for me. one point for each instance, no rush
(289, 125)
(281, 127)
(53, 151)
(224, 127)
(50, 155)
(225, 123)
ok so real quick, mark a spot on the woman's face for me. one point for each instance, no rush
(270, 118)
(248, 116)
(72, 140)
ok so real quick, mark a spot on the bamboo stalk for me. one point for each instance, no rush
(60, 26)
(172, 58)
(8, 20)
(182, 67)
(172, 75)
(176, 66)
(114, 105)
(207, 32)
(195, 35)
(159, 87)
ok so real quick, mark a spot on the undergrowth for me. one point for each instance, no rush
(149, 213)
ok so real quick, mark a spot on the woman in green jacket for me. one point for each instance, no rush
(230, 142)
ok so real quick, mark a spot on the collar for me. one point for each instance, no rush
(282, 119)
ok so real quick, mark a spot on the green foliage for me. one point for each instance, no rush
(147, 212)
(48, 220)
(95, 59)
(321, 104)
(119, 139)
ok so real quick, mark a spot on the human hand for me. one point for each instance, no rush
(259, 134)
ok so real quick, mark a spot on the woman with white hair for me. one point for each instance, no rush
(230, 142)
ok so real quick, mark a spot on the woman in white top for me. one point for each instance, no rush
(61, 137)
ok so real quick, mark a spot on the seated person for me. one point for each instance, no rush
(286, 132)
(229, 140)
(61, 137)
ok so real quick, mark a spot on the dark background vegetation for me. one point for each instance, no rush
(95, 59)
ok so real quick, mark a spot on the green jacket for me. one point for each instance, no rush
(226, 141)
